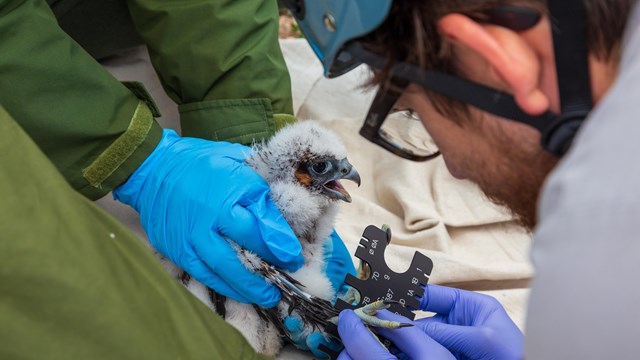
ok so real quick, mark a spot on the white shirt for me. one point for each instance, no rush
(585, 299)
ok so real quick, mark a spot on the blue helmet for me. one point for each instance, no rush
(329, 24)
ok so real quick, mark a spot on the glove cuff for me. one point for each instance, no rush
(129, 192)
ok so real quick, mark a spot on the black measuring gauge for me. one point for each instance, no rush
(382, 283)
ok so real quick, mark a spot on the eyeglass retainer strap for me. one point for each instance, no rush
(571, 52)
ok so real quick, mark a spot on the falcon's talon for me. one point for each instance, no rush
(372, 308)
(404, 325)
(368, 318)
(367, 312)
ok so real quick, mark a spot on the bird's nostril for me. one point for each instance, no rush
(344, 170)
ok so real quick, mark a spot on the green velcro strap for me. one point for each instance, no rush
(282, 120)
(116, 154)
(138, 89)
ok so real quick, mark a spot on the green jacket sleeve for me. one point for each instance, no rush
(77, 284)
(93, 128)
(220, 60)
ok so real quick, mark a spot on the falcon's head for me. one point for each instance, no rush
(323, 174)
(309, 155)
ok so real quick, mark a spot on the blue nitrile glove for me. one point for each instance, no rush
(190, 193)
(361, 344)
(469, 324)
(308, 341)
(338, 263)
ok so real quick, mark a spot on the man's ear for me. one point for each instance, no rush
(506, 52)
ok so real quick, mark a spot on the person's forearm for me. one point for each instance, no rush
(91, 126)
(220, 60)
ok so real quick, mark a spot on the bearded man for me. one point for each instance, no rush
(502, 88)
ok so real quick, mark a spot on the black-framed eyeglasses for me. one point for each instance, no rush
(399, 131)
(384, 127)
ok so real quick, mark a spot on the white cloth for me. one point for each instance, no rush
(584, 299)
(473, 244)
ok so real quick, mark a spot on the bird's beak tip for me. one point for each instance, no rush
(353, 176)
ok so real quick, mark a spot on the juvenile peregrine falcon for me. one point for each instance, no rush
(303, 164)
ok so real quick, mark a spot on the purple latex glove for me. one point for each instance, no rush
(469, 324)
(361, 344)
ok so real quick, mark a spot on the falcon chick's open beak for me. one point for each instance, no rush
(340, 169)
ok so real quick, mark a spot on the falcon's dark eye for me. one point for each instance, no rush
(321, 167)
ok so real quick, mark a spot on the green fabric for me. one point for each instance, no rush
(219, 56)
(76, 284)
(210, 120)
(122, 148)
(111, 29)
(220, 60)
(67, 103)
(138, 89)
(283, 120)
(207, 53)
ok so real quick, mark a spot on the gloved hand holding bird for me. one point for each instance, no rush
(303, 164)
